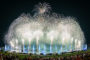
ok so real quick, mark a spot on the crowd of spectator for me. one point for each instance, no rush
(83, 56)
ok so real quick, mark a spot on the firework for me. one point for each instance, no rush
(44, 32)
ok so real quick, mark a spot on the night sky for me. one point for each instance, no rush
(10, 10)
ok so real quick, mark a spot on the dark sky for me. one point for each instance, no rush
(10, 10)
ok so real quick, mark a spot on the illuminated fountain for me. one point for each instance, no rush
(44, 33)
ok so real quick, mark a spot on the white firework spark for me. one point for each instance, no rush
(47, 29)
(42, 8)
